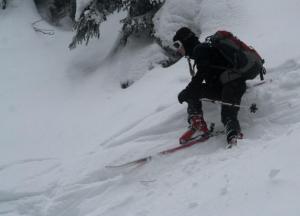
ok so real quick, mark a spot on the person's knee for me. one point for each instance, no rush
(228, 113)
(233, 91)
(194, 107)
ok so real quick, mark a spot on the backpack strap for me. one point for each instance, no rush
(262, 73)
(192, 68)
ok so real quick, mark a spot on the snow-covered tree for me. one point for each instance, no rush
(139, 20)
(62, 8)
(88, 24)
(88, 15)
(54, 11)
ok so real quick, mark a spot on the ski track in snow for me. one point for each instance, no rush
(156, 130)
(6, 166)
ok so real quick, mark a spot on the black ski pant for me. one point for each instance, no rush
(230, 92)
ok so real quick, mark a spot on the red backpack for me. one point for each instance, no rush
(244, 60)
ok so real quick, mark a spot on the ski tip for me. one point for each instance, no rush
(137, 162)
(120, 165)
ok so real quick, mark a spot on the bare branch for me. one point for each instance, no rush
(40, 30)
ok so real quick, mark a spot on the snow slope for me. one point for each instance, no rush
(64, 118)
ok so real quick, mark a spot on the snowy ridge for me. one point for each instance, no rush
(64, 118)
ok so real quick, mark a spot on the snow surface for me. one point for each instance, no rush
(64, 118)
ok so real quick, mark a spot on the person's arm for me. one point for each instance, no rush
(201, 55)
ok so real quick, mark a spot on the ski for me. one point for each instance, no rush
(190, 143)
(146, 159)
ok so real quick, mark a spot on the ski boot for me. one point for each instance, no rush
(232, 139)
(233, 132)
(197, 130)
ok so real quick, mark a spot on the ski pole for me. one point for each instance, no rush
(253, 108)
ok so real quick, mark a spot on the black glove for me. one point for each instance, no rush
(183, 96)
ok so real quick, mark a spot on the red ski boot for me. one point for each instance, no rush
(197, 130)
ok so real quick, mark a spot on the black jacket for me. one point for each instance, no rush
(210, 64)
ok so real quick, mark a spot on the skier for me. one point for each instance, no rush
(209, 83)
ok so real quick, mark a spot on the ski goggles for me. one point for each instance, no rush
(177, 45)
